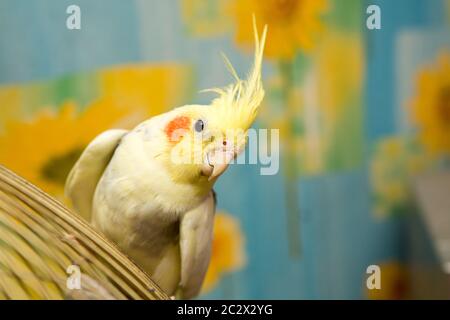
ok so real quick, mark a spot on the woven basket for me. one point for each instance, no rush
(48, 252)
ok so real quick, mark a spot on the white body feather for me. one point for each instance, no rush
(161, 213)
(138, 206)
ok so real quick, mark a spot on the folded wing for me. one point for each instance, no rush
(86, 173)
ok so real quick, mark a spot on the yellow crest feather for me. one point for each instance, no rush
(237, 104)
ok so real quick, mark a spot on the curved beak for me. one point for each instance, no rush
(216, 162)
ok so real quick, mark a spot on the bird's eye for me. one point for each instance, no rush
(199, 125)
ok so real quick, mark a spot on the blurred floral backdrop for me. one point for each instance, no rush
(360, 112)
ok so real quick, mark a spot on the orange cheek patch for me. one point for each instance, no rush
(176, 128)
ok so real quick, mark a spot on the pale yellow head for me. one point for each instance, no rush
(208, 137)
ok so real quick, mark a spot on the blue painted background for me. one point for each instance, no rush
(340, 237)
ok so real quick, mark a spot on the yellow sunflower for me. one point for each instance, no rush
(293, 24)
(431, 106)
(10, 102)
(339, 66)
(392, 168)
(44, 148)
(228, 253)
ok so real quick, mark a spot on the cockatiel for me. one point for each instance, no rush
(150, 190)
